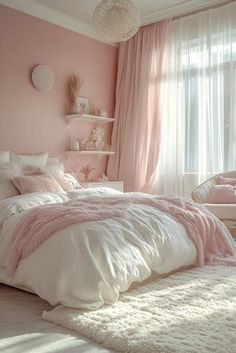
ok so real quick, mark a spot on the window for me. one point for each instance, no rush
(209, 75)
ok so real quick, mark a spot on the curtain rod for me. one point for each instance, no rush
(202, 9)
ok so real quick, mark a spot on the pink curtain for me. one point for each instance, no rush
(136, 131)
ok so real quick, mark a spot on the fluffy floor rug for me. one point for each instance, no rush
(193, 311)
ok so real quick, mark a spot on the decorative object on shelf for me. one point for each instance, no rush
(77, 146)
(116, 20)
(107, 147)
(95, 108)
(43, 78)
(95, 112)
(97, 137)
(83, 145)
(95, 141)
(86, 171)
(103, 113)
(82, 105)
(89, 145)
(74, 144)
(103, 178)
(75, 84)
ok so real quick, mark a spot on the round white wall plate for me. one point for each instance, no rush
(43, 78)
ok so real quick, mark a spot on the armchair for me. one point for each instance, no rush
(225, 212)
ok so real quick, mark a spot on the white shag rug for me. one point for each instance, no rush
(192, 311)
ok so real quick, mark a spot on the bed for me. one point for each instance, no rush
(87, 264)
(79, 272)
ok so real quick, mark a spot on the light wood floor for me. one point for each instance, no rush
(23, 331)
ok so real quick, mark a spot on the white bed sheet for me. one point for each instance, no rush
(88, 264)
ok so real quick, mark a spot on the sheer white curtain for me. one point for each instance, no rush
(198, 136)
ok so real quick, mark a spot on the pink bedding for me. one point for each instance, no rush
(212, 242)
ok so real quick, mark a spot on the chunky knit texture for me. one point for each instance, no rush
(192, 311)
(211, 238)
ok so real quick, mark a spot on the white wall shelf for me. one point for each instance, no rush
(108, 153)
(88, 118)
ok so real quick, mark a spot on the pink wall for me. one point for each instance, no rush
(32, 121)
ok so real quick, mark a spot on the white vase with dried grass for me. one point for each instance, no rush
(75, 84)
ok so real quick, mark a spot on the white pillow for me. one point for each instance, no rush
(54, 168)
(37, 160)
(53, 160)
(4, 156)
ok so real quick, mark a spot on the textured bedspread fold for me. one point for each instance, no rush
(210, 237)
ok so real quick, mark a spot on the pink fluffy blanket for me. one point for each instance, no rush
(210, 237)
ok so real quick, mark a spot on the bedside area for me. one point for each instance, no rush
(117, 185)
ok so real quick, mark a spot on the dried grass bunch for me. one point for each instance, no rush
(86, 170)
(75, 84)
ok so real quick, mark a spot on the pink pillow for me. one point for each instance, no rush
(66, 180)
(226, 181)
(36, 183)
(223, 194)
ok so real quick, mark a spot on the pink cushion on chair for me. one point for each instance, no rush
(36, 183)
(223, 194)
(226, 181)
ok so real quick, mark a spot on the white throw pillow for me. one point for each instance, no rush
(37, 160)
(4, 156)
(68, 182)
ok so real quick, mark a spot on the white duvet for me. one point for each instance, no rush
(88, 264)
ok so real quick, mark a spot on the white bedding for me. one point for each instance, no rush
(88, 264)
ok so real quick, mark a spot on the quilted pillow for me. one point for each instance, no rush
(36, 183)
(226, 181)
(203, 192)
(67, 181)
(223, 194)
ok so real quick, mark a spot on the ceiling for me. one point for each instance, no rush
(83, 9)
(77, 15)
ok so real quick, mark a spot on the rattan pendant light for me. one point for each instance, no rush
(116, 20)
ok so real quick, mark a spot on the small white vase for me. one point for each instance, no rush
(76, 146)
